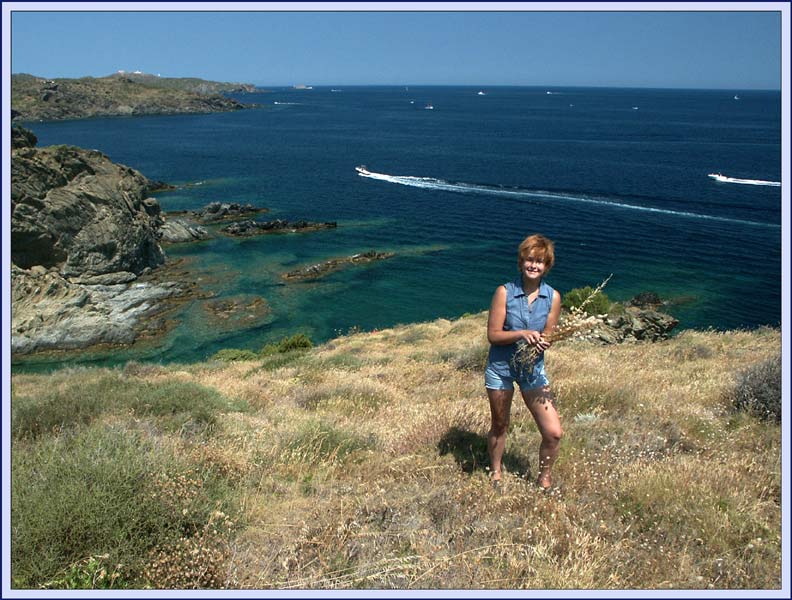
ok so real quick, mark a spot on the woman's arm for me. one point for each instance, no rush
(497, 317)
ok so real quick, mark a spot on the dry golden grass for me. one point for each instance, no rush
(362, 464)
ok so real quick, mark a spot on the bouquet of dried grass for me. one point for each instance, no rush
(573, 324)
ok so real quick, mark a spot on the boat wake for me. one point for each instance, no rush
(469, 188)
(724, 179)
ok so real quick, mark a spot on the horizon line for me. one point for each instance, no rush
(417, 85)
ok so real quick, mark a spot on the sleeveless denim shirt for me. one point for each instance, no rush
(519, 315)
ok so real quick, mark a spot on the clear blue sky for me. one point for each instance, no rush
(734, 50)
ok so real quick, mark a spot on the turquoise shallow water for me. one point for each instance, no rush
(618, 178)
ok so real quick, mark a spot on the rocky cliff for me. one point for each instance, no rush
(82, 230)
(79, 211)
(38, 98)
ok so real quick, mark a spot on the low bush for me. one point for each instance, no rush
(757, 390)
(299, 341)
(81, 402)
(107, 493)
(234, 354)
(598, 305)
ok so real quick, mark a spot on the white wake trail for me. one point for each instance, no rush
(468, 188)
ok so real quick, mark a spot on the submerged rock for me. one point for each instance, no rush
(333, 264)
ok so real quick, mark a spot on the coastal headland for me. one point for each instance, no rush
(121, 94)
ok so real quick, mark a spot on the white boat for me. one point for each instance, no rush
(724, 179)
(362, 170)
(481, 94)
(429, 107)
(736, 97)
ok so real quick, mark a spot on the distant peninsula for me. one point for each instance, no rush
(120, 94)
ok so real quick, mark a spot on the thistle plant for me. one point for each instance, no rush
(575, 323)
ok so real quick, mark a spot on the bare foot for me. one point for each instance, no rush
(495, 479)
(545, 481)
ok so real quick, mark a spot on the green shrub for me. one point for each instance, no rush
(299, 341)
(80, 403)
(757, 390)
(598, 305)
(105, 492)
(234, 354)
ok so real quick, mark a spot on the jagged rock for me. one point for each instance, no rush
(22, 138)
(77, 210)
(82, 231)
(249, 227)
(333, 264)
(52, 313)
(178, 230)
(106, 279)
(635, 324)
(225, 211)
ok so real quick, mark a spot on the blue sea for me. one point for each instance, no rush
(618, 178)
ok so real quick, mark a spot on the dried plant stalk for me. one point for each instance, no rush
(575, 323)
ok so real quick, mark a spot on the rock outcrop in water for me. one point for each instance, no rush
(333, 264)
(216, 212)
(249, 227)
(175, 231)
(83, 229)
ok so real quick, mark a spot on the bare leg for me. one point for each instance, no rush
(500, 409)
(541, 403)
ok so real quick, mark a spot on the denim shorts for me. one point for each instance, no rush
(496, 381)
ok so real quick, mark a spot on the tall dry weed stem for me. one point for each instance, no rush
(575, 323)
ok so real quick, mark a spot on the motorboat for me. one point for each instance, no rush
(481, 94)
(362, 170)
(429, 107)
(724, 179)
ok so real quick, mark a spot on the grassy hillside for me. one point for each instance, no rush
(362, 464)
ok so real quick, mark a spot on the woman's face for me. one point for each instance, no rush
(532, 267)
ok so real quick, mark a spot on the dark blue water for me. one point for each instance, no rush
(617, 177)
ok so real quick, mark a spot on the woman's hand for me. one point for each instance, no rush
(536, 339)
(532, 337)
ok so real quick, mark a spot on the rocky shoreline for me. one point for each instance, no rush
(41, 99)
(85, 241)
(88, 269)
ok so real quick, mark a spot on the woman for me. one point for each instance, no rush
(524, 311)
